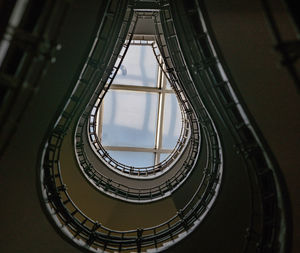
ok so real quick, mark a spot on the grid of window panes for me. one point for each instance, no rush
(140, 118)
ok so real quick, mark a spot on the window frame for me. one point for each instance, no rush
(161, 89)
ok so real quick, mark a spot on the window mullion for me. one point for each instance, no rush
(162, 86)
(158, 124)
(99, 117)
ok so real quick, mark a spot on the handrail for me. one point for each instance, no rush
(155, 170)
(113, 188)
(269, 230)
(146, 171)
(60, 201)
(90, 234)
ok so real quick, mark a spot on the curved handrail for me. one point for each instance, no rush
(92, 235)
(268, 230)
(107, 184)
(113, 188)
(145, 172)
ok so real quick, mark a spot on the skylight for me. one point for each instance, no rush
(140, 118)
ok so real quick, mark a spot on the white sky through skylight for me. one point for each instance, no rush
(138, 68)
(140, 118)
(129, 118)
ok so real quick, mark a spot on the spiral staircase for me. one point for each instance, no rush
(221, 190)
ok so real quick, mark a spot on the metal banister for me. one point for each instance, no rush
(91, 235)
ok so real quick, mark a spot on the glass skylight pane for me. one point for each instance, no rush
(163, 156)
(135, 159)
(129, 119)
(168, 85)
(172, 122)
(139, 67)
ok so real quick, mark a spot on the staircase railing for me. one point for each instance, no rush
(74, 224)
(269, 227)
